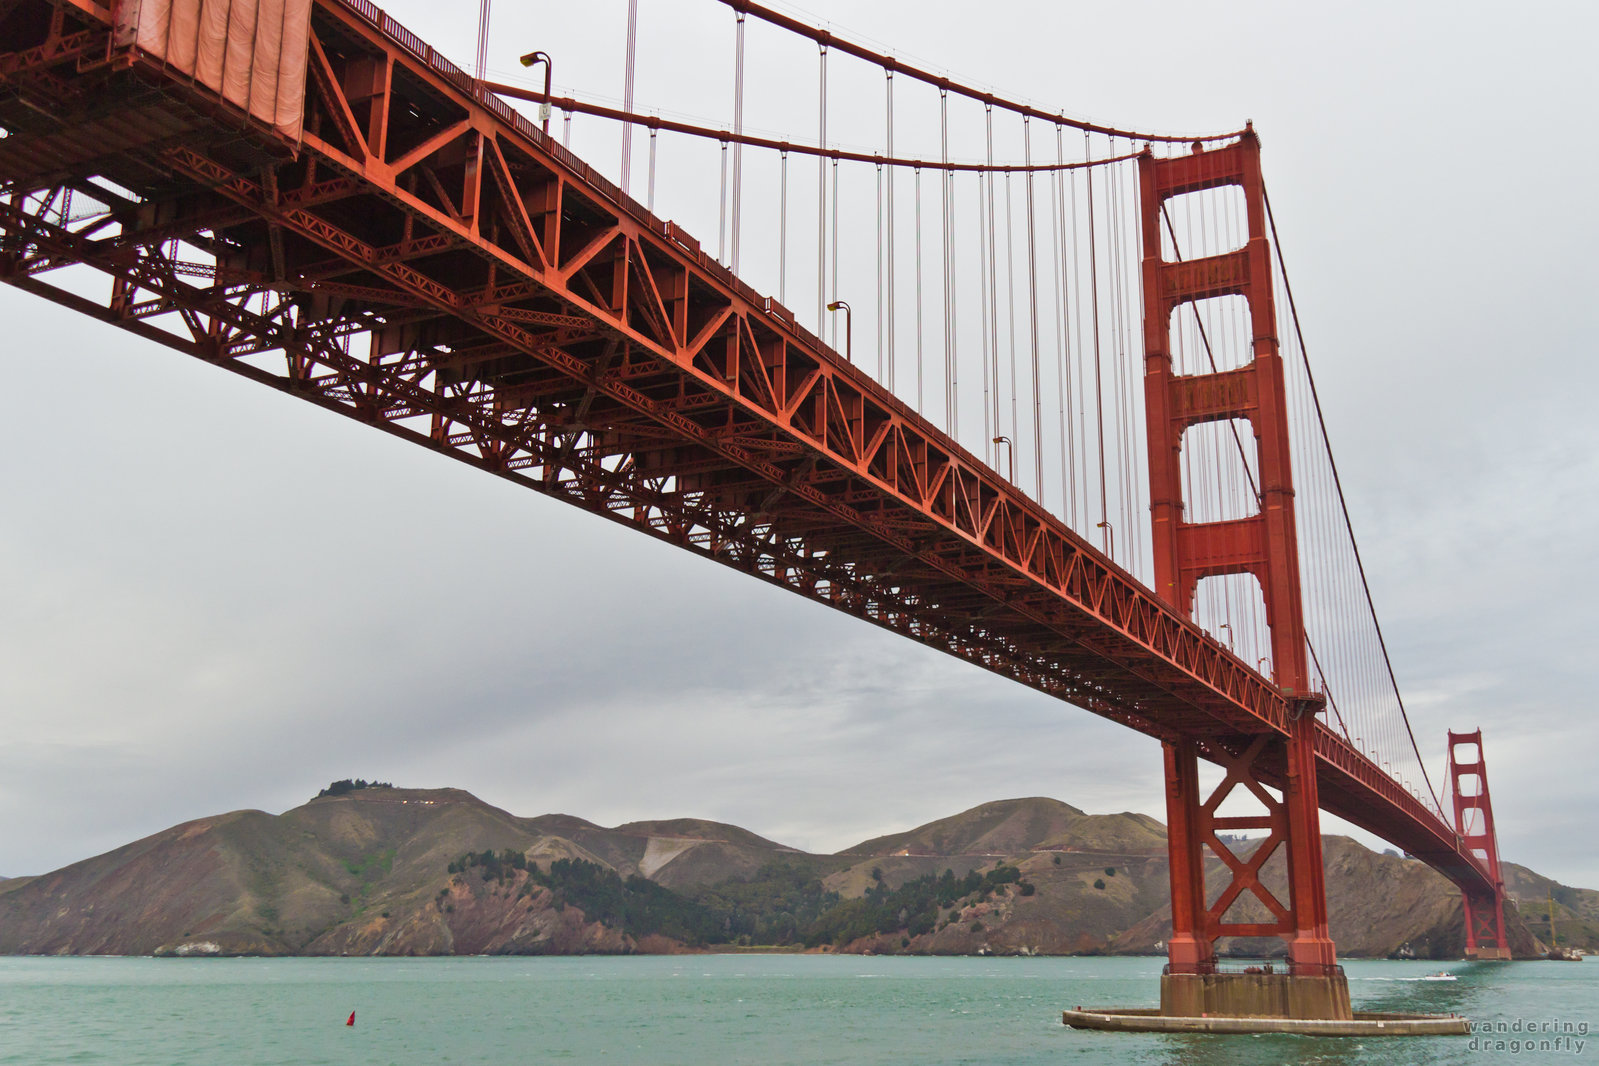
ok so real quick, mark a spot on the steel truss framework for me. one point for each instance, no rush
(427, 262)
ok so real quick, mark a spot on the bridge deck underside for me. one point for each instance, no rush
(427, 263)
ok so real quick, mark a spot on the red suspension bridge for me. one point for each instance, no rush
(1038, 330)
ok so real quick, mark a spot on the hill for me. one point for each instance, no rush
(1576, 910)
(357, 871)
(1002, 828)
(372, 869)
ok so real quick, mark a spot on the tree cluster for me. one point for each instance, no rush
(779, 906)
(913, 907)
(785, 903)
(345, 787)
(637, 906)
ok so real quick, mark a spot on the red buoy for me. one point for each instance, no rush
(352, 1019)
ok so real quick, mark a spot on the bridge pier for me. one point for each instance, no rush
(1310, 984)
(1323, 997)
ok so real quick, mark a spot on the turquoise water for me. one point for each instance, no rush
(766, 1009)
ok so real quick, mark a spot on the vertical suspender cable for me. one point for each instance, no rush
(1057, 232)
(948, 291)
(879, 261)
(921, 393)
(987, 261)
(1136, 376)
(483, 39)
(1118, 267)
(721, 214)
(954, 321)
(1131, 366)
(1010, 304)
(1076, 397)
(653, 139)
(627, 93)
(821, 197)
(834, 267)
(1032, 318)
(1099, 391)
(990, 325)
(738, 132)
(782, 234)
(890, 201)
(990, 449)
(1119, 424)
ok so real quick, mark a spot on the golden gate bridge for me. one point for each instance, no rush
(1037, 331)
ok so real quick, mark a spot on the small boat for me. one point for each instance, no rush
(1441, 975)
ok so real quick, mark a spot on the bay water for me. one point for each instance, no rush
(710, 1009)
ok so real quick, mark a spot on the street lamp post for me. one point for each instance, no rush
(544, 109)
(840, 305)
(1010, 452)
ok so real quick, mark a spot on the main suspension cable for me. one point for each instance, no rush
(571, 105)
(827, 38)
(1343, 504)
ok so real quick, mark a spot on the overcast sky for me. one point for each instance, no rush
(215, 597)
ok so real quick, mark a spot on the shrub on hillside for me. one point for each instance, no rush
(345, 787)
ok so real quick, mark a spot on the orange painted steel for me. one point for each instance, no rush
(521, 314)
(727, 136)
(1474, 821)
(1264, 545)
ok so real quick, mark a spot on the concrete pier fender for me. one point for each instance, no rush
(1363, 1023)
(1322, 997)
(1259, 1001)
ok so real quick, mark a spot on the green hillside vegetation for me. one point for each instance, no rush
(636, 906)
(783, 905)
(347, 786)
(914, 908)
(778, 907)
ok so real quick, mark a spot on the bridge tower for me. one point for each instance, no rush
(1474, 821)
(1265, 545)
